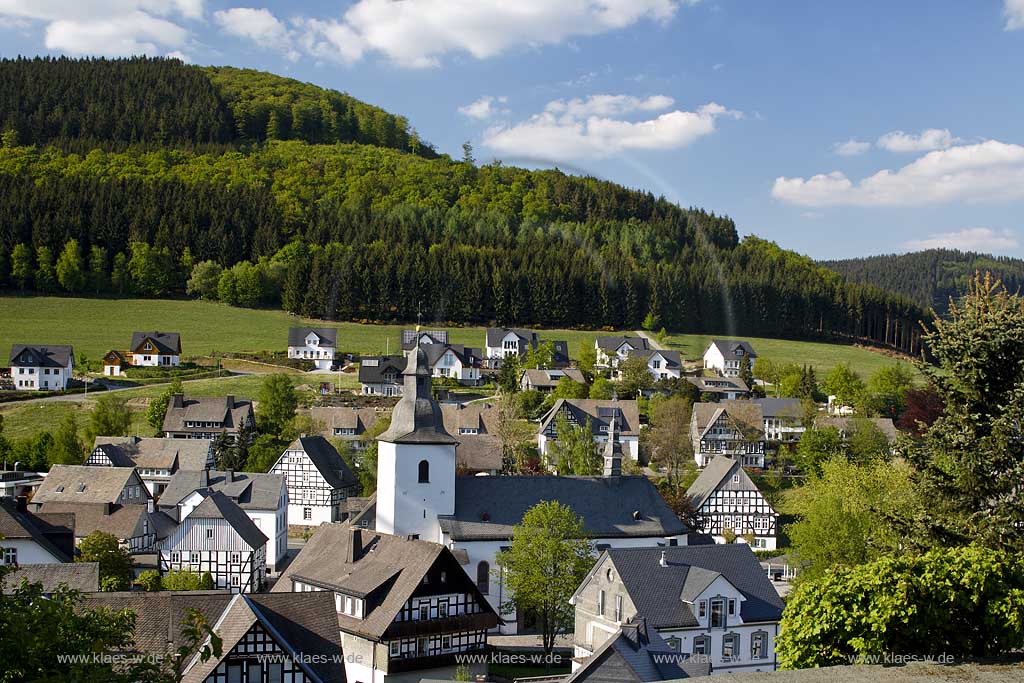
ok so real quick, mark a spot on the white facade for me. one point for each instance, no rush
(630, 444)
(322, 355)
(612, 360)
(24, 551)
(273, 524)
(409, 503)
(154, 359)
(511, 345)
(311, 500)
(450, 365)
(212, 545)
(714, 359)
(42, 379)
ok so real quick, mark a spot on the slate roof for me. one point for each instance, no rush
(548, 379)
(41, 355)
(487, 508)
(82, 484)
(303, 624)
(359, 419)
(883, 424)
(672, 359)
(717, 471)
(718, 385)
(250, 490)
(123, 521)
(227, 411)
(650, 586)
(612, 344)
(80, 576)
(495, 336)
(218, 506)
(370, 373)
(53, 532)
(387, 572)
(326, 459)
(417, 416)
(297, 335)
(466, 354)
(561, 357)
(157, 453)
(600, 412)
(745, 415)
(780, 407)
(728, 347)
(411, 338)
(167, 343)
(475, 452)
(630, 655)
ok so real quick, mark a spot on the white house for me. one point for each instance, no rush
(712, 604)
(406, 608)
(547, 379)
(611, 351)
(732, 428)
(318, 481)
(316, 344)
(726, 356)
(381, 375)
(661, 364)
(150, 349)
(454, 361)
(599, 414)
(41, 367)
(216, 536)
(419, 495)
(726, 498)
(34, 538)
(502, 342)
(262, 497)
(729, 388)
(783, 419)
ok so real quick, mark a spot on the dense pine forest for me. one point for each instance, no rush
(930, 277)
(360, 221)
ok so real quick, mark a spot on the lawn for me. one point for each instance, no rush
(820, 355)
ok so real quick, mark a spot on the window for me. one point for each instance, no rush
(175, 557)
(600, 603)
(424, 472)
(234, 580)
(422, 646)
(424, 612)
(394, 648)
(255, 673)
(193, 557)
(732, 607)
(307, 513)
(349, 608)
(758, 645)
(702, 608)
(209, 533)
(736, 478)
(700, 645)
(234, 673)
(10, 556)
(275, 673)
(483, 577)
(236, 558)
(618, 608)
(717, 614)
(442, 610)
(673, 644)
(730, 646)
(446, 642)
(609, 575)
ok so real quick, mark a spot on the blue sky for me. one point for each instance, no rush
(837, 129)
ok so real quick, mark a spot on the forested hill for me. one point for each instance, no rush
(78, 103)
(930, 277)
(349, 231)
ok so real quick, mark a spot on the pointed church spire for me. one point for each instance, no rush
(417, 416)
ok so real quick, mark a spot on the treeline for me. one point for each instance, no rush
(930, 277)
(154, 102)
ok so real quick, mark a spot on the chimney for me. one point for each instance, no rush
(21, 503)
(178, 400)
(204, 478)
(229, 477)
(663, 562)
(107, 508)
(230, 400)
(355, 550)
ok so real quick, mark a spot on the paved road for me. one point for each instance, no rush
(651, 340)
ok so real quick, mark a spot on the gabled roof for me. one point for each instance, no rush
(612, 344)
(302, 624)
(639, 654)
(372, 369)
(466, 355)
(218, 506)
(475, 452)
(166, 343)
(342, 417)
(297, 335)
(671, 358)
(157, 453)
(411, 338)
(387, 571)
(844, 424)
(719, 385)
(717, 471)
(549, 378)
(600, 413)
(732, 348)
(780, 407)
(41, 355)
(123, 521)
(83, 484)
(744, 416)
(44, 529)
(495, 336)
(650, 586)
(226, 411)
(117, 455)
(326, 459)
(80, 576)
(489, 507)
(115, 357)
(251, 490)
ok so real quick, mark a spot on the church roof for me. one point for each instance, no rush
(417, 416)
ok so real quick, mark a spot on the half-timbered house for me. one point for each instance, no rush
(318, 481)
(732, 428)
(156, 460)
(599, 414)
(218, 537)
(727, 501)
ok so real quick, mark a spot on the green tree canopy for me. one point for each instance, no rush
(156, 411)
(109, 417)
(115, 562)
(574, 451)
(277, 403)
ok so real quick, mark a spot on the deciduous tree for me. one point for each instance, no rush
(115, 561)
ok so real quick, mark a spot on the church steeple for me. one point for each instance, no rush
(417, 416)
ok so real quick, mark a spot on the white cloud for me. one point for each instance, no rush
(484, 107)
(932, 138)
(850, 148)
(259, 25)
(113, 28)
(417, 33)
(987, 171)
(178, 54)
(1013, 10)
(969, 239)
(586, 129)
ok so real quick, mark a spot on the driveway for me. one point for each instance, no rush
(650, 340)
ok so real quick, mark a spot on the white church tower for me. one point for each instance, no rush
(415, 460)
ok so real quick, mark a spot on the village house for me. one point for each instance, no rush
(732, 428)
(611, 351)
(719, 388)
(265, 637)
(712, 603)
(15, 483)
(419, 337)
(502, 342)
(727, 501)
(315, 344)
(475, 426)
(83, 577)
(381, 375)
(41, 367)
(30, 538)
(137, 527)
(454, 361)
(217, 536)
(783, 418)
(845, 425)
(263, 497)
(318, 481)
(637, 653)
(660, 363)
(599, 414)
(406, 608)
(207, 417)
(419, 494)
(347, 423)
(726, 356)
(156, 460)
(147, 349)
(547, 379)
(85, 484)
